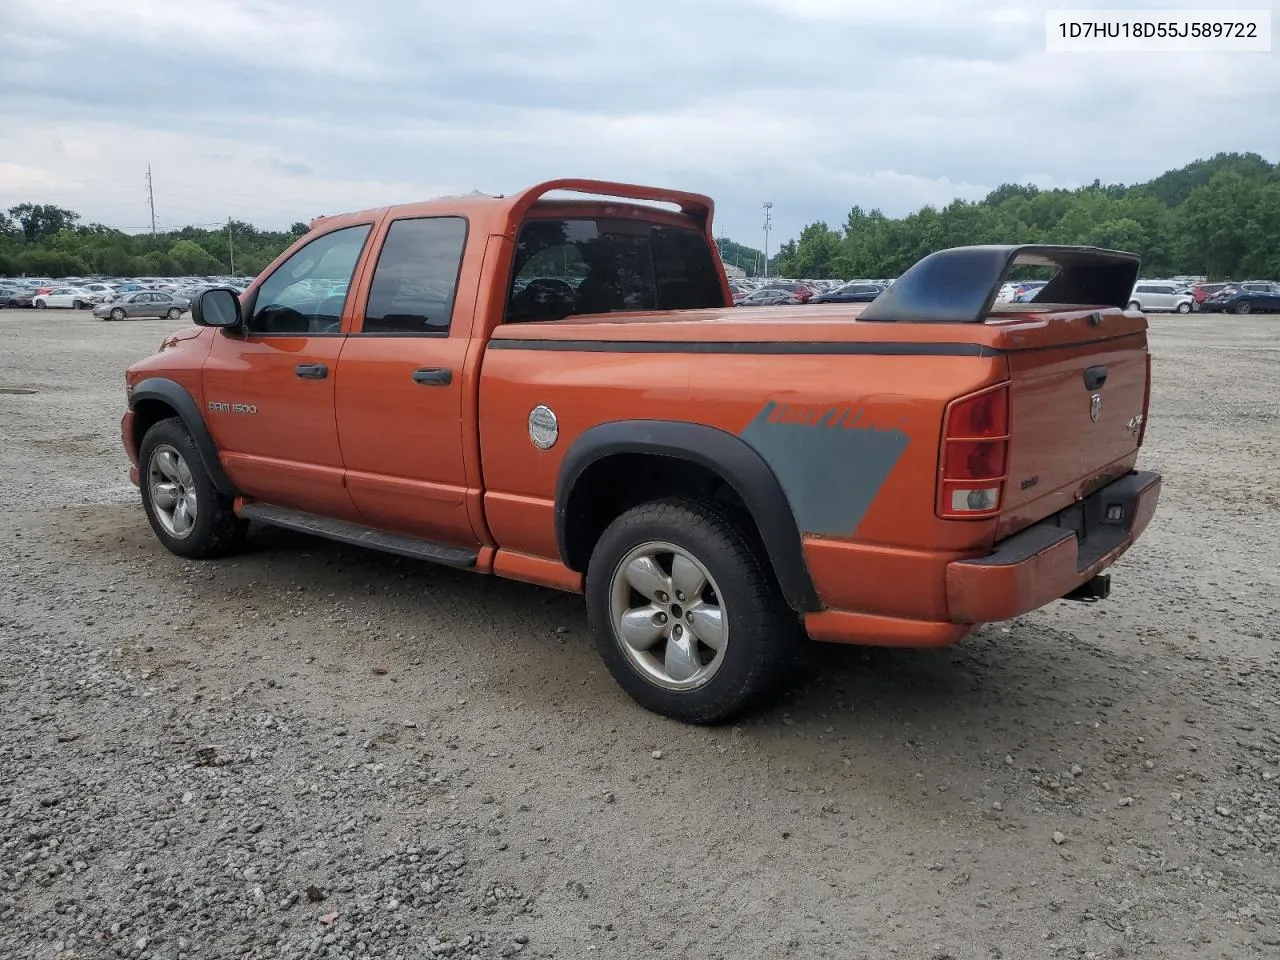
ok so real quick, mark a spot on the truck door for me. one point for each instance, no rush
(269, 388)
(400, 386)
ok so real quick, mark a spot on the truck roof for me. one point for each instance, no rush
(504, 213)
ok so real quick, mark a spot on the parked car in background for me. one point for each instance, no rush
(1252, 296)
(105, 289)
(1200, 292)
(67, 298)
(1160, 297)
(143, 303)
(16, 297)
(801, 291)
(850, 293)
(768, 297)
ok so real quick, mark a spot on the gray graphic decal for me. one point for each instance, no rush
(830, 465)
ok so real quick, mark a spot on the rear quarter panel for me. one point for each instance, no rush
(853, 438)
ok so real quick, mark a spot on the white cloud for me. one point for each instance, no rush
(275, 110)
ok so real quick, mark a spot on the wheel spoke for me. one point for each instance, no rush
(647, 578)
(640, 629)
(708, 624)
(181, 519)
(165, 495)
(681, 660)
(184, 473)
(189, 505)
(167, 462)
(687, 578)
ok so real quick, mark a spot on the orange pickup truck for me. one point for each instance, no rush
(558, 389)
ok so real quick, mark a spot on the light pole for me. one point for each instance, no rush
(768, 221)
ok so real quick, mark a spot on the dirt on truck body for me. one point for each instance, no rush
(560, 391)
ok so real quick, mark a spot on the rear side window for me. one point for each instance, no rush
(416, 278)
(566, 267)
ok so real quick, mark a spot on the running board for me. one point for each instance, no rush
(357, 535)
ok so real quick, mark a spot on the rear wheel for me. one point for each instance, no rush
(187, 512)
(685, 611)
(1184, 308)
(1244, 306)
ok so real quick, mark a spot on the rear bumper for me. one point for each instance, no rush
(1055, 556)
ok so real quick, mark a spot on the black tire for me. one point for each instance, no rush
(1244, 306)
(1184, 308)
(117, 314)
(217, 530)
(1134, 305)
(174, 313)
(762, 633)
(41, 305)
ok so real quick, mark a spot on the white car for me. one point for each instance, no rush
(67, 297)
(1156, 296)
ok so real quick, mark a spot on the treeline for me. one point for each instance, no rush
(49, 241)
(1218, 217)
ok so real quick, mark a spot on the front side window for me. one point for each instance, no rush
(306, 293)
(416, 278)
(567, 267)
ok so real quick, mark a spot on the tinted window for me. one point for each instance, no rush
(601, 265)
(306, 293)
(161, 298)
(417, 276)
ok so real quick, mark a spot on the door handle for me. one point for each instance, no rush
(1095, 377)
(311, 371)
(433, 376)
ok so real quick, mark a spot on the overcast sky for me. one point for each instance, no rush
(280, 110)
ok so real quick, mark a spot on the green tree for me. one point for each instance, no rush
(39, 221)
(193, 258)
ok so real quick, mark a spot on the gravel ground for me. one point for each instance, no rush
(314, 751)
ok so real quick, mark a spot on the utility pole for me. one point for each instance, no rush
(151, 201)
(768, 222)
(231, 248)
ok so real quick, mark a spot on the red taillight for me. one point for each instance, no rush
(974, 458)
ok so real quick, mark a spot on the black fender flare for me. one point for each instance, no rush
(725, 455)
(176, 396)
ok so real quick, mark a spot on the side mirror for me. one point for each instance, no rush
(218, 307)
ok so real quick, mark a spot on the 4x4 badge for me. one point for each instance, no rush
(1095, 407)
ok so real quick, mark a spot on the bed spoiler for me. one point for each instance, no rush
(959, 285)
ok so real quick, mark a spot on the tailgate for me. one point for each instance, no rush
(1076, 412)
(1078, 377)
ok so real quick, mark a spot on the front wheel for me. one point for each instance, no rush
(686, 612)
(1244, 306)
(41, 305)
(174, 313)
(187, 512)
(1134, 305)
(117, 314)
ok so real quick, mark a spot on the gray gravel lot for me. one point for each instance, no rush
(314, 751)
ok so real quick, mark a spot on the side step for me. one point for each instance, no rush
(357, 535)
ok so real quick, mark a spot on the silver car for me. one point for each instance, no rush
(143, 303)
